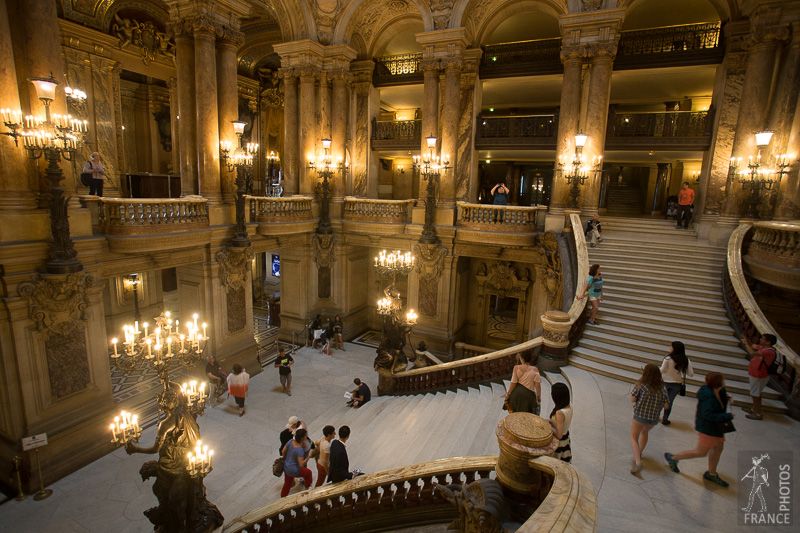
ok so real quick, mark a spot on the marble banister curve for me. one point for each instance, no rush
(372, 210)
(742, 291)
(379, 500)
(500, 363)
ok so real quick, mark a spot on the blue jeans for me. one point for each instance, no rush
(672, 391)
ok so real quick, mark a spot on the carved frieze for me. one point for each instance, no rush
(143, 35)
(324, 248)
(234, 263)
(57, 304)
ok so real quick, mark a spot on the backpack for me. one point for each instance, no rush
(778, 365)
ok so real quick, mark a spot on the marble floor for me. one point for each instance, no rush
(108, 495)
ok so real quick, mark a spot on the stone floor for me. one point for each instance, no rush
(108, 495)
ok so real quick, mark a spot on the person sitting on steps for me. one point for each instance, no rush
(593, 231)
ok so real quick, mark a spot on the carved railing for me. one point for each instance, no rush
(407, 496)
(522, 58)
(465, 351)
(498, 217)
(383, 211)
(141, 216)
(776, 243)
(498, 364)
(397, 134)
(272, 209)
(397, 70)
(678, 45)
(747, 313)
(524, 131)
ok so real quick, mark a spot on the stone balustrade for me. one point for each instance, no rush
(507, 218)
(777, 243)
(742, 305)
(278, 209)
(144, 216)
(407, 495)
(385, 211)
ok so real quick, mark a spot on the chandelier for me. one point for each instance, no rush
(394, 264)
(758, 176)
(431, 167)
(579, 171)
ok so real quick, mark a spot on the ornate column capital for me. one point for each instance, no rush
(204, 26)
(768, 35)
(306, 73)
(431, 64)
(573, 52)
(340, 76)
(230, 36)
(451, 64)
(287, 73)
(603, 50)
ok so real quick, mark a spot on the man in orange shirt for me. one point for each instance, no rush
(685, 202)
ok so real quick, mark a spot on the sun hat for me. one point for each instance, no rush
(292, 422)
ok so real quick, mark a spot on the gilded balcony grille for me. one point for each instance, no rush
(396, 134)
(542, 56)
(397, 70)
(523, 131)
(693, 44)
(690, 130)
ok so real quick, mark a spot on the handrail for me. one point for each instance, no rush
(510, 218)
(371, 209)
(278, 209)
(134, 215)
(498, 363)
(748, 302)
(570, 504)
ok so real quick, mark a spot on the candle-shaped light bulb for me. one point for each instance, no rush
(204, 330)
(113, 433)
(145, 329)
(182, 337)
(114, 342)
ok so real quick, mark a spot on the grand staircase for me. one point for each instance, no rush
(625, 201)
(662, 285)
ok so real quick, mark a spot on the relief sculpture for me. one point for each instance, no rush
(234, 263)
(144, 35)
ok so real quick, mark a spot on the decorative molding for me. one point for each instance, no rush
(234, 264)
(57, 304)
(324, 247)
(145, 36)
(431, 260)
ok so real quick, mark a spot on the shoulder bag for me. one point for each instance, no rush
(277, 467)
(726, 426)
(682, 392)
(86, 177)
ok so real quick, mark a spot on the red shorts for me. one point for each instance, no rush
(707, 441)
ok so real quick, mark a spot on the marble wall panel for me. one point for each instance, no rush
(464, 142)
(728, 113)
(67, 362)
(103, 101)
(428, 296)
(237, 309)
(361, 159)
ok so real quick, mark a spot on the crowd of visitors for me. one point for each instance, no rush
(326, 334)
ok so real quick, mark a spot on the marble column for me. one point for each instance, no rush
(15, 180)
(339, 112)
(187, 114)
(752, 109)
(430, 109)
(788, 204)
(174, 107)
(602, 64)
(450, 118)
(308, 128)
(361, 146)
(291, 122)
(103, 130)
(205, 83)
(569, 115)
(465, 165)
(37, 39)
(228, 101)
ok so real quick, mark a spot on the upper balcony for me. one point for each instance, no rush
(529, 131)
(396, 134)
(672, 130)
(397, 70)
(522, 58)
(672, 46)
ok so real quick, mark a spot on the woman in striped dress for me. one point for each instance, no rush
(238, 382)
(560, 420)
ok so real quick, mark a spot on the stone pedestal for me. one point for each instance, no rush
(522, 437)
(556, 326)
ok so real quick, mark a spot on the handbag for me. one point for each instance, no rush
(682, 392)
(86, 178)
(314, 454)
(726, 426)
(277, 467)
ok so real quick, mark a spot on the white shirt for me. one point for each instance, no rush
(670, 374)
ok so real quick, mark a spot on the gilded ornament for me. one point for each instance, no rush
(234, 264)
(57, 304)
(324, 248)
(430, 260)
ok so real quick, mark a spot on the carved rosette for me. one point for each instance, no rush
(57, 304)
(324, 247)
(234, 264)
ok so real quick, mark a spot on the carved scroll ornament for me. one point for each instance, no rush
(57, 304)
(233, 266)
(324, 246)
(430, 260)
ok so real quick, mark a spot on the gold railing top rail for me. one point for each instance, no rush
(555, 514)
(198, 200)
(279, 198)
(789, 225)
(377, 200)
(749, 304)
(504, 207)
(578, 306)
(625, 113)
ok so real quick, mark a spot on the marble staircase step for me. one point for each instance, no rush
(666, 259)
(481, 441)
(655, 353)
(740, 399)
(674, 305)
(679, 235)
(434, 426)
(643, 247)
(612, 520)
(663, 294)
(685, 333)
(708, 282)
(609, 333)
(656, 315)
(614, 280)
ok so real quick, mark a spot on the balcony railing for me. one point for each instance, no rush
(144, 216)
(271, 209)
(506, 218)
(777, 243)
(530, 131)
(381, 211)
(692, 44)
(522, 58)
(396, 134)
(673, 129)
(397, 70)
